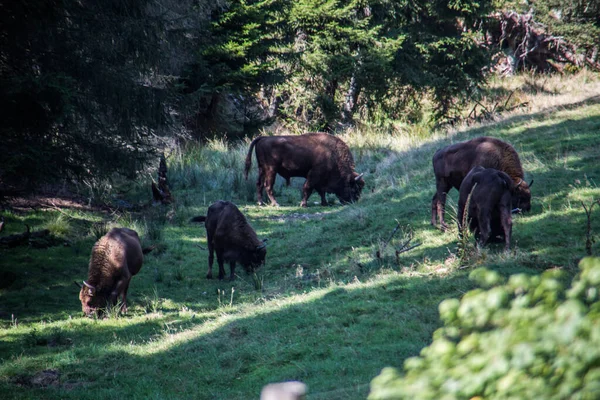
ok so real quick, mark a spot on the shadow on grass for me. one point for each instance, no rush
(336, 340)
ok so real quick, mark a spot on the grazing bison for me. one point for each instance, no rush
(490, 205)
(324, 160)
(115, 258)
(232, 238)
(452, 163)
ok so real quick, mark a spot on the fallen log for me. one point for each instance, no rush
(527, 45)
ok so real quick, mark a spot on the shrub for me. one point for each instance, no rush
(528, 337)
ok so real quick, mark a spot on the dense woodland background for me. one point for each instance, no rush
(89, 90)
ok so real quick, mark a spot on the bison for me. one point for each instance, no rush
(324, 160)
(232, 238)
(452, 163)
(115, 258)
(490, 204)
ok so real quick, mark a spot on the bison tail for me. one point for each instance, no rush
(148, 249)
(249, 157)
(200, 218)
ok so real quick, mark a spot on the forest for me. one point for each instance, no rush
(141, 114)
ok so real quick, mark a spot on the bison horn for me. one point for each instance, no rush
(516, 210)
(88, 285)
(77, 284)
(359, 176)
(531, 183)
(519, 184)
(262, 246)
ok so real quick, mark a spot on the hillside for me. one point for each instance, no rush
(330, 312)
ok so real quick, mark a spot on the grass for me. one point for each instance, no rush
(324, 309)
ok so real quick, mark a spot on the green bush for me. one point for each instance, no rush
(528, 337)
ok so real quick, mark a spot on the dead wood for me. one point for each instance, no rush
(404, 247)
(161, 194)
(589, 237)
(527, 45)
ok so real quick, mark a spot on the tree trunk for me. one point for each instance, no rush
(350, 100)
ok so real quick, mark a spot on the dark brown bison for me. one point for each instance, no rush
(232, 238)
(324, 160)
(490, 205)
(115, 258)
(452, 163)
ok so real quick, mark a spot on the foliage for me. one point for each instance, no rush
(83, 88)
(526, 337)
(314, 63)
(577, 21)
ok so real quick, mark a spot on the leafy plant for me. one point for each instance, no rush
(527, 337)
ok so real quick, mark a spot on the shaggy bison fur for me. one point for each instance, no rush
(489, 208)
(115, 258)
(452, 163)
(324, 160)
(232, 238)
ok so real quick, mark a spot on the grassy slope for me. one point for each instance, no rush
(330, 313)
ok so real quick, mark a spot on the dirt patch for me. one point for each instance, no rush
(46, 378)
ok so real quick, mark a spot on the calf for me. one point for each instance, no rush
(489, 206)
(115, 258)
(232, 238)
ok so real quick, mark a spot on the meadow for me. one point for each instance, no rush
(334, 303)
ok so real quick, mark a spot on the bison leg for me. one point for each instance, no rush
(323, 199)
(307, 190)
(220, 262)
(438, 204)
(232, 270)
(269, 182)
(484, 225)
(506, 221)
(120, 288)
(124, 306)
(259, 186)
(211, 259)
(434, 202)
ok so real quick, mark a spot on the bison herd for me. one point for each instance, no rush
(486, 171)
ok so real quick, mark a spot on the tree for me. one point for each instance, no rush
(81, 88)
(381, 55)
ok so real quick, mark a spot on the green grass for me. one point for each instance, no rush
(330, 313)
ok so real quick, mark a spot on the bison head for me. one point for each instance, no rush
(522, 196)
(351, 189)
(256, 258)
(90, 300)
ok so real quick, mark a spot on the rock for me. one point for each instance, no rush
(292, 390)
